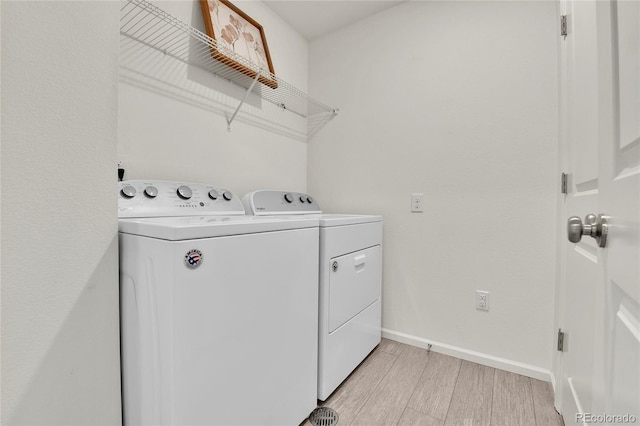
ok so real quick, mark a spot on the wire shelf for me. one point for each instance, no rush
(145, 23)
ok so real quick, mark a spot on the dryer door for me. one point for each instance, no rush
(355, 282)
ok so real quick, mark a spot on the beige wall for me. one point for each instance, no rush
(60, 347)
(456, 100)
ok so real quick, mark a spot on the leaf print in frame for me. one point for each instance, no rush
(237, 35)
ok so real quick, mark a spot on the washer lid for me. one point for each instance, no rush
(194, 227)
(327, 220)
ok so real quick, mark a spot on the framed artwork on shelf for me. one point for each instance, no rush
(237, 33)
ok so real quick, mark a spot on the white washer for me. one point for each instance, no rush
(350, 281)
(219, 311)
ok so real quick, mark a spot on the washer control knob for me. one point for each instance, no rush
(309, 200)
(302, 199)
(288, 198)
(184, 192)
(227, 195)
(213, 194)
(128, 191)
(151, 191)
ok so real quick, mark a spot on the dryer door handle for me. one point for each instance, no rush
(359, 261)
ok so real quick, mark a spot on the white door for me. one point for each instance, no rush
(600, 116)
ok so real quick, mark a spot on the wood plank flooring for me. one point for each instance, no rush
(403, 385)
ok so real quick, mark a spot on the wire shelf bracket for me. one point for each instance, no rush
(144, 23)
(246, 95)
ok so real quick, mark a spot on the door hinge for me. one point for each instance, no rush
(563, 26)
(560, 340)
(564, 178)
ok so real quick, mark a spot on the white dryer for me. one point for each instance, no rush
(219, 310)
(350, 281)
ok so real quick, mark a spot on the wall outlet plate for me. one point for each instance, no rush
(417, 203)
(482, 300)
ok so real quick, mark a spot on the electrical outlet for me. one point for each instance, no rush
(120, 170)
(482, 300)
(417, 203)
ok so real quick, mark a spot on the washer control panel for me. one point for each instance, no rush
(159, 198)
(267, 202)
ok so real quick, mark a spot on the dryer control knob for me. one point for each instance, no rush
(227, 195)
(184, 192)
(128, 191)
(151, 191)
(213, 194)
(288, 198)
(302, 199)
(309, 200)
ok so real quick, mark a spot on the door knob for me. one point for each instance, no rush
(594, 226)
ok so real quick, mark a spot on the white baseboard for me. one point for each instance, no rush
(473, 356)
(556, 395)
(552, 379)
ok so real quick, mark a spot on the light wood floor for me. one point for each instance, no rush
(403, 385)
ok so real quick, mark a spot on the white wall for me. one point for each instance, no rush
(172, 121)
(60, 347)
(457, 100)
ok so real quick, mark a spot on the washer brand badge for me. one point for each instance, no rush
(193, 258)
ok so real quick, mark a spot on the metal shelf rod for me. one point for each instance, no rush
(246, 95)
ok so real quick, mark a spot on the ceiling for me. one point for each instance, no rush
(315, 18)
